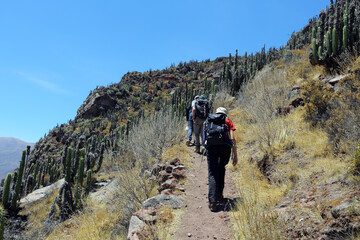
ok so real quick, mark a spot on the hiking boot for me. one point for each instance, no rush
(197, 149)
(188, 142)
(220, 197)
(213, 206)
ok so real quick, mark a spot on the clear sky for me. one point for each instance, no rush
(52, 53)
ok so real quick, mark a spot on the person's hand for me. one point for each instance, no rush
(195, 121)
(234, 161)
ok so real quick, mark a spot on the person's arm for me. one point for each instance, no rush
(232, 137)
(193, 115)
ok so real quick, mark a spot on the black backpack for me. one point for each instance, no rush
(201, 108)
(215, 130)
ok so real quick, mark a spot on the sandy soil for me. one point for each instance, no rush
(198, 222)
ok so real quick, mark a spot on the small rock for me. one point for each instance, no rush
(180, 167)
(189, 234)
(167, 192)
(175, 162)
(163, 176)
(147, 215)
(178, 174)
(169, 169)
(181, 189)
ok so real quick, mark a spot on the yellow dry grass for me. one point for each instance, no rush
(165, 225)
(254, 218)
(95, 222)
(37, 213)
(177, 151)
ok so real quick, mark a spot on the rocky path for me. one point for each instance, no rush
(198, 222)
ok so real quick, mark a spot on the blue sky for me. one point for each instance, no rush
(52, 53)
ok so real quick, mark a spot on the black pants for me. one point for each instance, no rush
(217, 158)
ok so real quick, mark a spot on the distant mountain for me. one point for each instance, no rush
(10, 154)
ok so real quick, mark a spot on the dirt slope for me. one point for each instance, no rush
(198, 222)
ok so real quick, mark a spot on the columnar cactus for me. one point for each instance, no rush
(6, 191)
(213, 88)
(29, 184)
(19, 181)
(35, 176)
(191, 92)
(2, 223)
(80, 180)
(320, 52)
(68, 165)
(88, 183)
(236, 60)
(335, 41)
(328, 43)
(345, 28)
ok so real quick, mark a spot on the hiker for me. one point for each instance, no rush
(200, 111)
(190, 126)
(219, 140)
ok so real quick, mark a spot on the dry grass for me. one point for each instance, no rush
(177, 151)
(302, 153)
(224, 99)
(260, 101)
(37, 213)
(95, 222)
(164, 226)
(253, 218)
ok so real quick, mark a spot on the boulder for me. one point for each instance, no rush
(40, 194)
(105, 192)
(96, 104)
(163, 200)
(135, 225)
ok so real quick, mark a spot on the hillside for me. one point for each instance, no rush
(10, 154)
(296, 110)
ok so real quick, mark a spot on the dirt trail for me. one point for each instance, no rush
(198, 222)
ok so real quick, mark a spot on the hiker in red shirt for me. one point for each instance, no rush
(219, 140)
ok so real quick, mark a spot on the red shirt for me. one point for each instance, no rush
(230, 124)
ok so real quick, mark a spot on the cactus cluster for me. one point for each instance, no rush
(335, 30)
(13, 185)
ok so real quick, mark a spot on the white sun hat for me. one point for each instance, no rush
(221, 110)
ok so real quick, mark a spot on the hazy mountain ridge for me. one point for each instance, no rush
(10, 154)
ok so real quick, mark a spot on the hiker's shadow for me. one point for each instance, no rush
(228, 204)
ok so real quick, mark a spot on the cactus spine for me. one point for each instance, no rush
(6, 191)
(19, 180)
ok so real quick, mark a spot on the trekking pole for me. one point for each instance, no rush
(202, 156)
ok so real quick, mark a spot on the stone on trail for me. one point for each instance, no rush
(163, 200)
